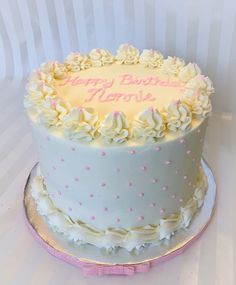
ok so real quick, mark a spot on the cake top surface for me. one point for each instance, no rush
(127, 96)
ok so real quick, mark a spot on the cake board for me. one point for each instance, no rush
(95, 261)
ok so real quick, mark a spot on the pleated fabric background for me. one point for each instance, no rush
(34, 31)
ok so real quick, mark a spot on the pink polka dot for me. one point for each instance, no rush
(118, 220)
(73, 148)
(62, 159)
(117, 197)
(130, 183)
(152, 205)
(181, 200)
(76, 179)
(132, 151)
(93, 217)
(155, 180)
(103, 153)
(91, 195)
(103, 184)
(182, 141)
(143, 168)
(131, 209)
(66, 186)
(168, 162)
(87, 168)
(105, 209)
(162, 210)
(158, 148)
(173, 196)
(185, 177)
(164, 188)
(141, 218)
(141, 194)
(70, 209)
(117, 169)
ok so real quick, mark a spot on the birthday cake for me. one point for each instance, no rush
(120, 141)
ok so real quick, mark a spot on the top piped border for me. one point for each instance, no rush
(83, 125)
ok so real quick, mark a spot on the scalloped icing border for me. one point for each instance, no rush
(78, 232)
(83, 125)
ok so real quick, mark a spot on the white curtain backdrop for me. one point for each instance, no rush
(33, 31)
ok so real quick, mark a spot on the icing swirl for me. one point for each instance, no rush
(80, 124)
(100, 57)
(178, 117)
(189, 71)
(172, 65)
(56, 69)
(76, 61)
(199, 103)
(127, 54)
(115, 128)
(201, 84)
(149, 125)
(151, 58)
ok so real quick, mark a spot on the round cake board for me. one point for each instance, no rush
(95, 261)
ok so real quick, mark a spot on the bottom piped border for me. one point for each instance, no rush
(112, 238)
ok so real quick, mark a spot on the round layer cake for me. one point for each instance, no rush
(120, 140)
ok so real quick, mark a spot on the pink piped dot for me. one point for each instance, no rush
(66, 186)
(185, 177)
(168, 162)
(162, 210)
(141, 194)
(117, 197)
(181, 200)
(118, 220)
(62, 159)
(132, 151)
(143, 168)
(152, 205)
(87, 168)
(158, 148)
(103, 153)
(76, 179)
(105, 209)
(103, 184)
(131, 209)
(188, 151)
(93, 217)
(173, 196)
(155, 180)
(73, 148)
(182, 141)
(164, 188)
(91, 195)
(141, 218)
(70, 209)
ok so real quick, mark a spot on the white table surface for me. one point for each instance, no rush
(211, 259)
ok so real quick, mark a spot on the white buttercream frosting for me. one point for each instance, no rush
(188, 72)
(127, 54)
(80, 124)
(201, 84)
(178, 117)
(199, 103)
(76, 61)
(115, 128)
(133, 238)
(100, 57)
(172, 65)
(56, 69)
(149, 125)
(151, 58)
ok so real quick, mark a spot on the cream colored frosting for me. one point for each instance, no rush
(172, 65)
(100, 57)
(189, 71)
(75, 62)
(58, 70)
(133, 238)
(127, 54)
(151, 58)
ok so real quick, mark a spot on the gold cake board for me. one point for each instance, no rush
(95, 261)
